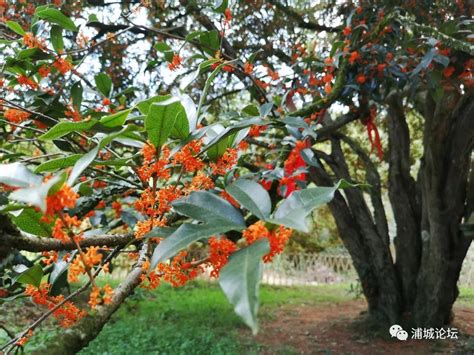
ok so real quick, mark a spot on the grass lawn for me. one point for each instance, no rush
(197, 319)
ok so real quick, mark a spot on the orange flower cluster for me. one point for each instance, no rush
(117, 207)
(151, 167)
(149, 280)
(178, 272)
(100, 296)
(64, 198)
(63, 226)
(83, 262)
(277, 237)
(51, 257)
(62, 65)
(16, 116)
(22, 341)
(256, 131)
(74, 114)
(25, 81)
(225, 162)
(219, 252)
(292, 164)
(44, 71)
(67, 314)
(248, 68)
(199, 182)
(187, 157)
(176, 62)
(31, 41)
(143, 227)
(354, 57)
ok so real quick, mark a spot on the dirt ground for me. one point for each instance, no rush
(340, 329)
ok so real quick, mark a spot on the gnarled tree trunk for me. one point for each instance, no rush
(430, 246)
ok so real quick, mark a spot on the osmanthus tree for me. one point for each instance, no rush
(147, 127)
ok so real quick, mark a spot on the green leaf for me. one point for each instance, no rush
(251, 110)
(210, 42)
(82, 164)
(58, 277)
(228, 132)
(240, 280)
(16, 27)
(207, 207)
(252, 196)
(76, 94)
(220, 6)
(32, 276)
(57, 39)
(58, 163)
(17, 174)
(62, 128)
(294, 210)
(56, 16)
(104, 84)
(335, 47)
(29, 221)
(184, 236)
(162, 47)
(207, 86)
(159, 122)
(117, 119)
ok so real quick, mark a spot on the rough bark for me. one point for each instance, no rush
(403, 198)
(444, 179)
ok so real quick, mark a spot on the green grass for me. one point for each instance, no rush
(197, 319)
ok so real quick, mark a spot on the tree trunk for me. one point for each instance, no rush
(420, 286)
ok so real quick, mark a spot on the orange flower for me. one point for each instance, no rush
(118, 208)
(200, 182)
(354, 57)
(22, 341)
(256, 131)
(219, 252)
(248, 68)
(51, 257)
(360, 78)
(228, 15)
(346, 31)
(178, 272)
(62, 65)
(82, 263)
(277, 238)
(187, 157)
(328, 78)
(31, 41)
(448, 71)
(64, 198)
(16, 116)
(24, 80)
(225, 162)
(44, 71)
(328, 88)
(176, 62)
